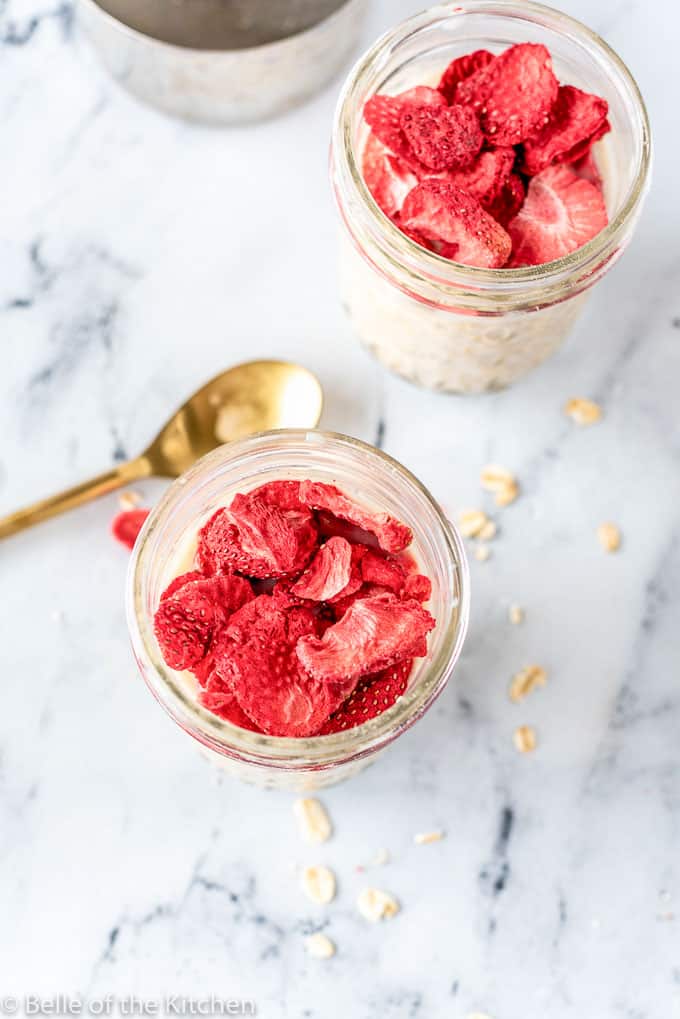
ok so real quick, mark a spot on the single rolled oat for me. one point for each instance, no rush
(320, 946)
(516, 614)
(318, 884)
(424, 838)
(314, 823)
(501, 482)
(583, 411)
(471, 522)
(375, 905)
(609, 537)
(526, 680)
(525, 739)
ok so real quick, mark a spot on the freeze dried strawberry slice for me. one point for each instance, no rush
(219, 698)
(192, 610)
(508, 202)
(587, 168)
(560, 213)
(127, 524)
(184, 627)
(373, 634)
(487, 176)
(256, 659)
(257, 538)
(387, 177)
(461, 68)
(372, 695)
(392, 535)
(383, 570)
(442, 136)
(328, 573)
(513, 94)
(179, 582)
(283, 494)
(383, 114)
(417, 586)
(575, 121)
(441, 211)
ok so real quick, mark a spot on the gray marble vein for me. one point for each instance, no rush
(139, 257)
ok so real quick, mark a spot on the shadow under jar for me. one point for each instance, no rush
(439, 323)
(165, 549)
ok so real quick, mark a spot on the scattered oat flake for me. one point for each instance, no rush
(482, 553)
(525, 739)
(501, 482)
(318, 884)
(583, 411)
(471, 522)
(315, 825)
(527, 680)
(488, 532)
(320, 946)
(375, 905)
(381, 858)
(424, 838)
(609, 537)
(516, 614)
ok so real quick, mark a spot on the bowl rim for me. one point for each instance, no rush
(152, 40)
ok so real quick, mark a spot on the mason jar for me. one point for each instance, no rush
(455, 327)
(165, 549)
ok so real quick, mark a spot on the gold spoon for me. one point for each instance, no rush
(251, 397)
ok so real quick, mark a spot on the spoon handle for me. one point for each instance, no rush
(121, 475)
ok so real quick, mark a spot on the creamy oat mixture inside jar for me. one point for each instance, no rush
(489, 168)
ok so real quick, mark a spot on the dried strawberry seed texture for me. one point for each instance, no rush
(303, 613)
(495, 123)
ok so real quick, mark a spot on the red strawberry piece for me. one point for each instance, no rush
(442, 136)
(560, 213)
(283, 494)
(341, 604)
(192, 612)
(441, 211)
(219, 698)
(587, 168)
(328, 573)
(575, 121)
(373, 634)
(184, 626)
(461, 68)
(513, 94)
(487, 176)
(179, 582)
(372, 695)
(418, 587)
(383, 570)
(257, 538)
(508, 202)
(383, 113)
(127, 524)
(392, 535)
(388, 178)
(256, 659)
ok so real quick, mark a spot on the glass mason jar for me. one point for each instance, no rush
(165, 548)
(455, 327)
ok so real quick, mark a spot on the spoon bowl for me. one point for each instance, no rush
(253, 397)
(257, 396)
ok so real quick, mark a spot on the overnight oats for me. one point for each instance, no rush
(295, 602)
(489, 163)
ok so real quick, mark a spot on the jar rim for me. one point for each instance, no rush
(274, 751)
(400, 251)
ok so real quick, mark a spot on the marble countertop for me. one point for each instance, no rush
(140, 256)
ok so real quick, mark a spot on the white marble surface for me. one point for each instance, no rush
(139, 256)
